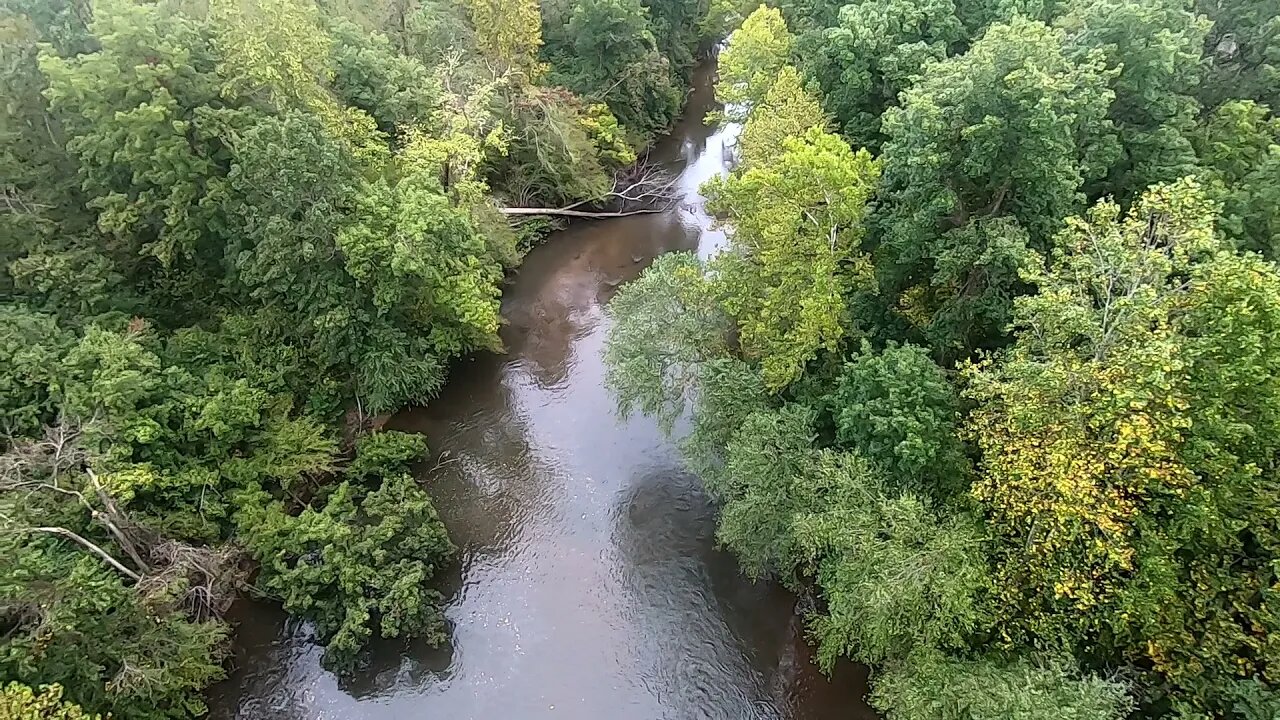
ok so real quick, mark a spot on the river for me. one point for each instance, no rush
(589, 585)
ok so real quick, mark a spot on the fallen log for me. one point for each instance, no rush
(647, 185)
(577, 213)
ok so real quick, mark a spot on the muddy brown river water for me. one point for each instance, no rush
(589, 585)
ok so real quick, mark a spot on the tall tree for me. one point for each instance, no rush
(509, 33)
(875, 51)
(899, 410)
(795, 250)
(1128, 446)
(748, 67)
(129, 112)
(788, 111)
(1153, 50)
(988, 152)
(1239, 145)
(610, 52)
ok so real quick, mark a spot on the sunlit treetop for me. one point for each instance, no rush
(749, 66)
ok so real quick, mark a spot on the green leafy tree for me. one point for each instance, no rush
(552, 155)
(898, 409)
(608, 51)
(874, 52)
(768, 468)
(987, 154)
(720, 19)
(360, 559)
(418, 253)
(895, 577)
(170, 442)
(509, 32)
(22, 703)
(728, 391)
(788, 111)
(978, 15)
(31, 346)
(677, 30)
(932, 687)
(748, 67)
(398, 91)
(1153, 47)
(666, 324)
(794, 250)
(1128, 422)
(39, 175)
(279, 50)
(75, 622)
(128, 111)
(431, 29)
(1239, 146)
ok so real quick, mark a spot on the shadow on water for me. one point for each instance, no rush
(588, 584)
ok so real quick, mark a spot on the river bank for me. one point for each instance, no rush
(589, 583)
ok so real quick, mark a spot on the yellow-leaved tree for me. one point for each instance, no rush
(1129, 438)
(509, 33)
(279, 49)
(748, 67)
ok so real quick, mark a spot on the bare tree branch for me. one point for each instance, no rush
(87, 544)
(113, 519)
(38, 466)
(646, 184)
(578, 213)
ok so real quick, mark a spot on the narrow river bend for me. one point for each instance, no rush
(589, 585)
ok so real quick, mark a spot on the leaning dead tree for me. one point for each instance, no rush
(643, 189)
(43, 479)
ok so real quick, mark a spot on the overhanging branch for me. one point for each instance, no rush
(87, 544)
(578, 213)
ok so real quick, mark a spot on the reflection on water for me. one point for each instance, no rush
(589, 584)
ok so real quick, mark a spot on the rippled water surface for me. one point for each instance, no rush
(589, 584)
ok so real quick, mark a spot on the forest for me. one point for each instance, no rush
(990, 369)
(989, 373)
(234, 235)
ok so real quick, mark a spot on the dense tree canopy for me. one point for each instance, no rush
(232, 234)
(1013, 422)
(1142, 405)
(988, 369)
(987, 153)
(873, 53)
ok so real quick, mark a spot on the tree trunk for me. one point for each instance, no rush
(89, 546)
(577, 213)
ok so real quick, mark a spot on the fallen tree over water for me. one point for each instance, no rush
(649, 187)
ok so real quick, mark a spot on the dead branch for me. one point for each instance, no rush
(87, 544)
(210, 576)
(578, 213)
(114, 520)
(59, 451)
(201, 580)
(644, 184)
(39, 465)
(18, 205)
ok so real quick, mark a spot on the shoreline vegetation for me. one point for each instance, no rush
(990, 365)
(232, 234)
